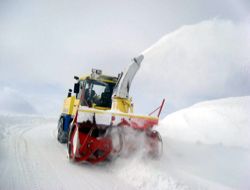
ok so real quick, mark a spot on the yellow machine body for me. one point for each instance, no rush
(71, 103)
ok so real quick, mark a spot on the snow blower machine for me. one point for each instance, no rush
(95, 120)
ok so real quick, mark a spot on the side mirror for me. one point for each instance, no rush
(76, 87)
(76, 77)
(69, 93)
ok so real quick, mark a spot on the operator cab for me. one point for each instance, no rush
(95, 93)
(95, 90)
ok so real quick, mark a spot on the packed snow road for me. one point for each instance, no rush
(31, 158)
(206, 146)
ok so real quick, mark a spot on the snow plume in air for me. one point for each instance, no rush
(139, 168)
(207, 60)
(129, 142)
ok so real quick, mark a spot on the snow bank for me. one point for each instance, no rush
(224, 121)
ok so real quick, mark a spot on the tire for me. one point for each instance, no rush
(62, 136)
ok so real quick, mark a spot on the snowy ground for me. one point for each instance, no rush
(206, 146)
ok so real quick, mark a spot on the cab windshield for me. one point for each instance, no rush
(98, 93)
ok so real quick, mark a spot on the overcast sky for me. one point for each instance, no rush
(44, 43)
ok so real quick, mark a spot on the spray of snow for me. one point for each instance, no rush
(207, 60)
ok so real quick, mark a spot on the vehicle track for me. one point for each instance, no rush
(31, 158)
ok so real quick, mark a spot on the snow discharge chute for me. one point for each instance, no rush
(125, 79)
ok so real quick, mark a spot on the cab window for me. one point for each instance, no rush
(98, 93)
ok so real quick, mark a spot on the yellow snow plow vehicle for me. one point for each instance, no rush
(94, 119)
